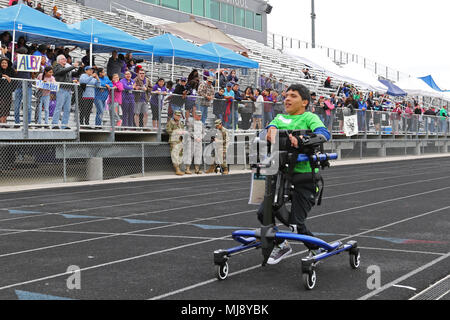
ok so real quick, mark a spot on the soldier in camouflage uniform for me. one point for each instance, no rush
(193, 145)
(221, 142)
(175, 129)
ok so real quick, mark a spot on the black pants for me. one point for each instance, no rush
(246, 117)
(303, 200)
(85, 110)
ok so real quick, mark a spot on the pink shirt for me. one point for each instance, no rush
(118, 92)
(46, 79)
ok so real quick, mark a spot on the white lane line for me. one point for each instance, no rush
(296, 254)
(403, 251)
(170, 224)
(121, 187)
(404, 287)
(123, 204)
(205, 219)
(107, 218)
(126, 216)
(118, 195)
(125, 184)
(378, 202)
(149, 192)
(111, 263)
(404, 277)
(387, 187)
(207, 241)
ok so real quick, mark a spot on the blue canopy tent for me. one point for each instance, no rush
(105, 38)
(229, 58)
(39, 27)
(431, 83)
(393, 90)
(170, 49)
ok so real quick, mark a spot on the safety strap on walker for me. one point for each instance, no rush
(315, 165)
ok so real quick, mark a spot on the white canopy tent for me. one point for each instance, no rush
(366, 78)
(316, 59)
(416, 87)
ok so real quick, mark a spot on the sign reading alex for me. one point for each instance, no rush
(28, 63)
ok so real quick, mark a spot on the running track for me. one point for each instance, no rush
(155, 239)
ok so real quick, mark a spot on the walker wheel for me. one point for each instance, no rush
(309, 279)
(355, 258)
(222, 271)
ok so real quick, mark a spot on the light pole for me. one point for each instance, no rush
(313, 25)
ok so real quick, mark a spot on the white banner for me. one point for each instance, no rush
(351, 125)
(52, 86)
(28, 63)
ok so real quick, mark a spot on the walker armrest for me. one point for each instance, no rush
(322, 157)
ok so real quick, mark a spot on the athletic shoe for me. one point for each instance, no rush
(279, 252)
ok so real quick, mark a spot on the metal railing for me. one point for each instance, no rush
(280, 42)
(71, 108)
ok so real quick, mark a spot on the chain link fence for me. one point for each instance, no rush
(67, 111)
(127, 107)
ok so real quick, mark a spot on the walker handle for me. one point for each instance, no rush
(322, 157)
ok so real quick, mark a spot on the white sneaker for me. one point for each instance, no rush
(279, 252)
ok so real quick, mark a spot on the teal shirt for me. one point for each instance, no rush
(305, 121)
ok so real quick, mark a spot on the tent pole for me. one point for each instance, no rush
(173, 66)
(90, 54)
(151, 72)
(13, 44)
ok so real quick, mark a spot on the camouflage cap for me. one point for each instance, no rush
(177, 113)
(217, 122)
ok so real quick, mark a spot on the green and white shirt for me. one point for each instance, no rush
(305, 121)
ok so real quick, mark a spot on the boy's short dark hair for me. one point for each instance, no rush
(302, 91)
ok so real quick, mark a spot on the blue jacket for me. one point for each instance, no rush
(362, 106)
(90, 82)
(103, 93)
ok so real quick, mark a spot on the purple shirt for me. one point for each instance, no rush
(155, 97)
(127, 94)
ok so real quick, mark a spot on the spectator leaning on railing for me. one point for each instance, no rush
(101, 95)
(19, 94)
(259, 107)
(117, 103)
(88, 82)
(219, 104)
(179, 95)
(128, 102)
(64, 95)
(141, 98)
(206, 92)
(247, 107)
(44, 95)
(6, 87)
(159, 90)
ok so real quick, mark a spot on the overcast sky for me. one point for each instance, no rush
(409, 35)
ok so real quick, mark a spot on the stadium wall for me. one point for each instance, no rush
(257, 6)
